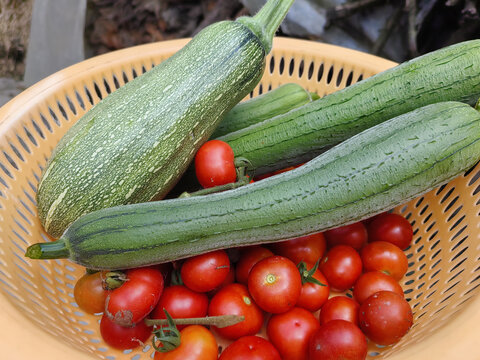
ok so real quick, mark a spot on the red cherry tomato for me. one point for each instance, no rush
(214, 164)
(250, 348)
(339, 308)
(313, 296)
(89, 293)
(181, 302)
(230, 279)
(234, 299)
(338, 339)
(341, 266)
(385, 257)
(290, 332)
(121, 337)
(205, 272)
(197, 343)
(249, 256)
(392, 228)
(308, 248)
(135, 299)
(385, 317)
(374, 281)
(275, 284)
(354, 235)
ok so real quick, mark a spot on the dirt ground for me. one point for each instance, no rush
(115, 24)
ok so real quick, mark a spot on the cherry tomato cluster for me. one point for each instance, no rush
(319, 296)
(314, 297)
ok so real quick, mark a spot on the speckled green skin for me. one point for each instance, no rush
(135, 143)
(379, 168)
(452, 73)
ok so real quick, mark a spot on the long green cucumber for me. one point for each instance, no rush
(267, 105)
(135, 144)
(381, 167)
(451, 73)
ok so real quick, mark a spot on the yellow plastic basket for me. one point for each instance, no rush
(39, 318)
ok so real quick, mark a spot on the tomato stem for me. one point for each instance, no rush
(307, 275)
(167, 334)
(220, 321)
(114, 279)
(241, 166)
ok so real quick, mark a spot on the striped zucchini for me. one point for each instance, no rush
(451, 73)
(272, 103)
(135, 143)
(379, 168)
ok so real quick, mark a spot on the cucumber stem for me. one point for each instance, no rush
(49, 250)
(266, 22)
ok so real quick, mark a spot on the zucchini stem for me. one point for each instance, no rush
(48, 250)
(266, 22)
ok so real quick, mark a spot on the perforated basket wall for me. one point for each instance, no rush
(39, 318)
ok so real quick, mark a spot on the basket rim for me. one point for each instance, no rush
(445, 342)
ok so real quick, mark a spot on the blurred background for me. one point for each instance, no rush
(39, 37)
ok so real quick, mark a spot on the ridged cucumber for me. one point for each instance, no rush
(267, 105)
(135, 143)
(379, 168)
(451, 73)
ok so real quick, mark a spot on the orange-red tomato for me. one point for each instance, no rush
(354, 235)
(385, 317)
(308, 248)
(214, 164)
(250, 348)
(339, 308)
(275, 284)
(374, 281)
(385, 257)
(89, 293)
(234, 299)
(197, 343)
(249, 256)
(290, 332)
(205, 272)
(390, 227)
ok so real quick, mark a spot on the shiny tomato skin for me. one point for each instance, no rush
(308, 248)
(230, 279)
(385, 257)
(385, 317)
(275, 284)
(197, 343)
(313, 296)
(214, 164)
(121, 337)
(341, 266)
(374, 281)
(290, 332)
(250, 348)
(354, 235)
(135, 298)
(339, 308)
(249, 256)
(90, 294)
(391, 227)
(234, 299)
(338, 339)
(205, 272)
(181, 302)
